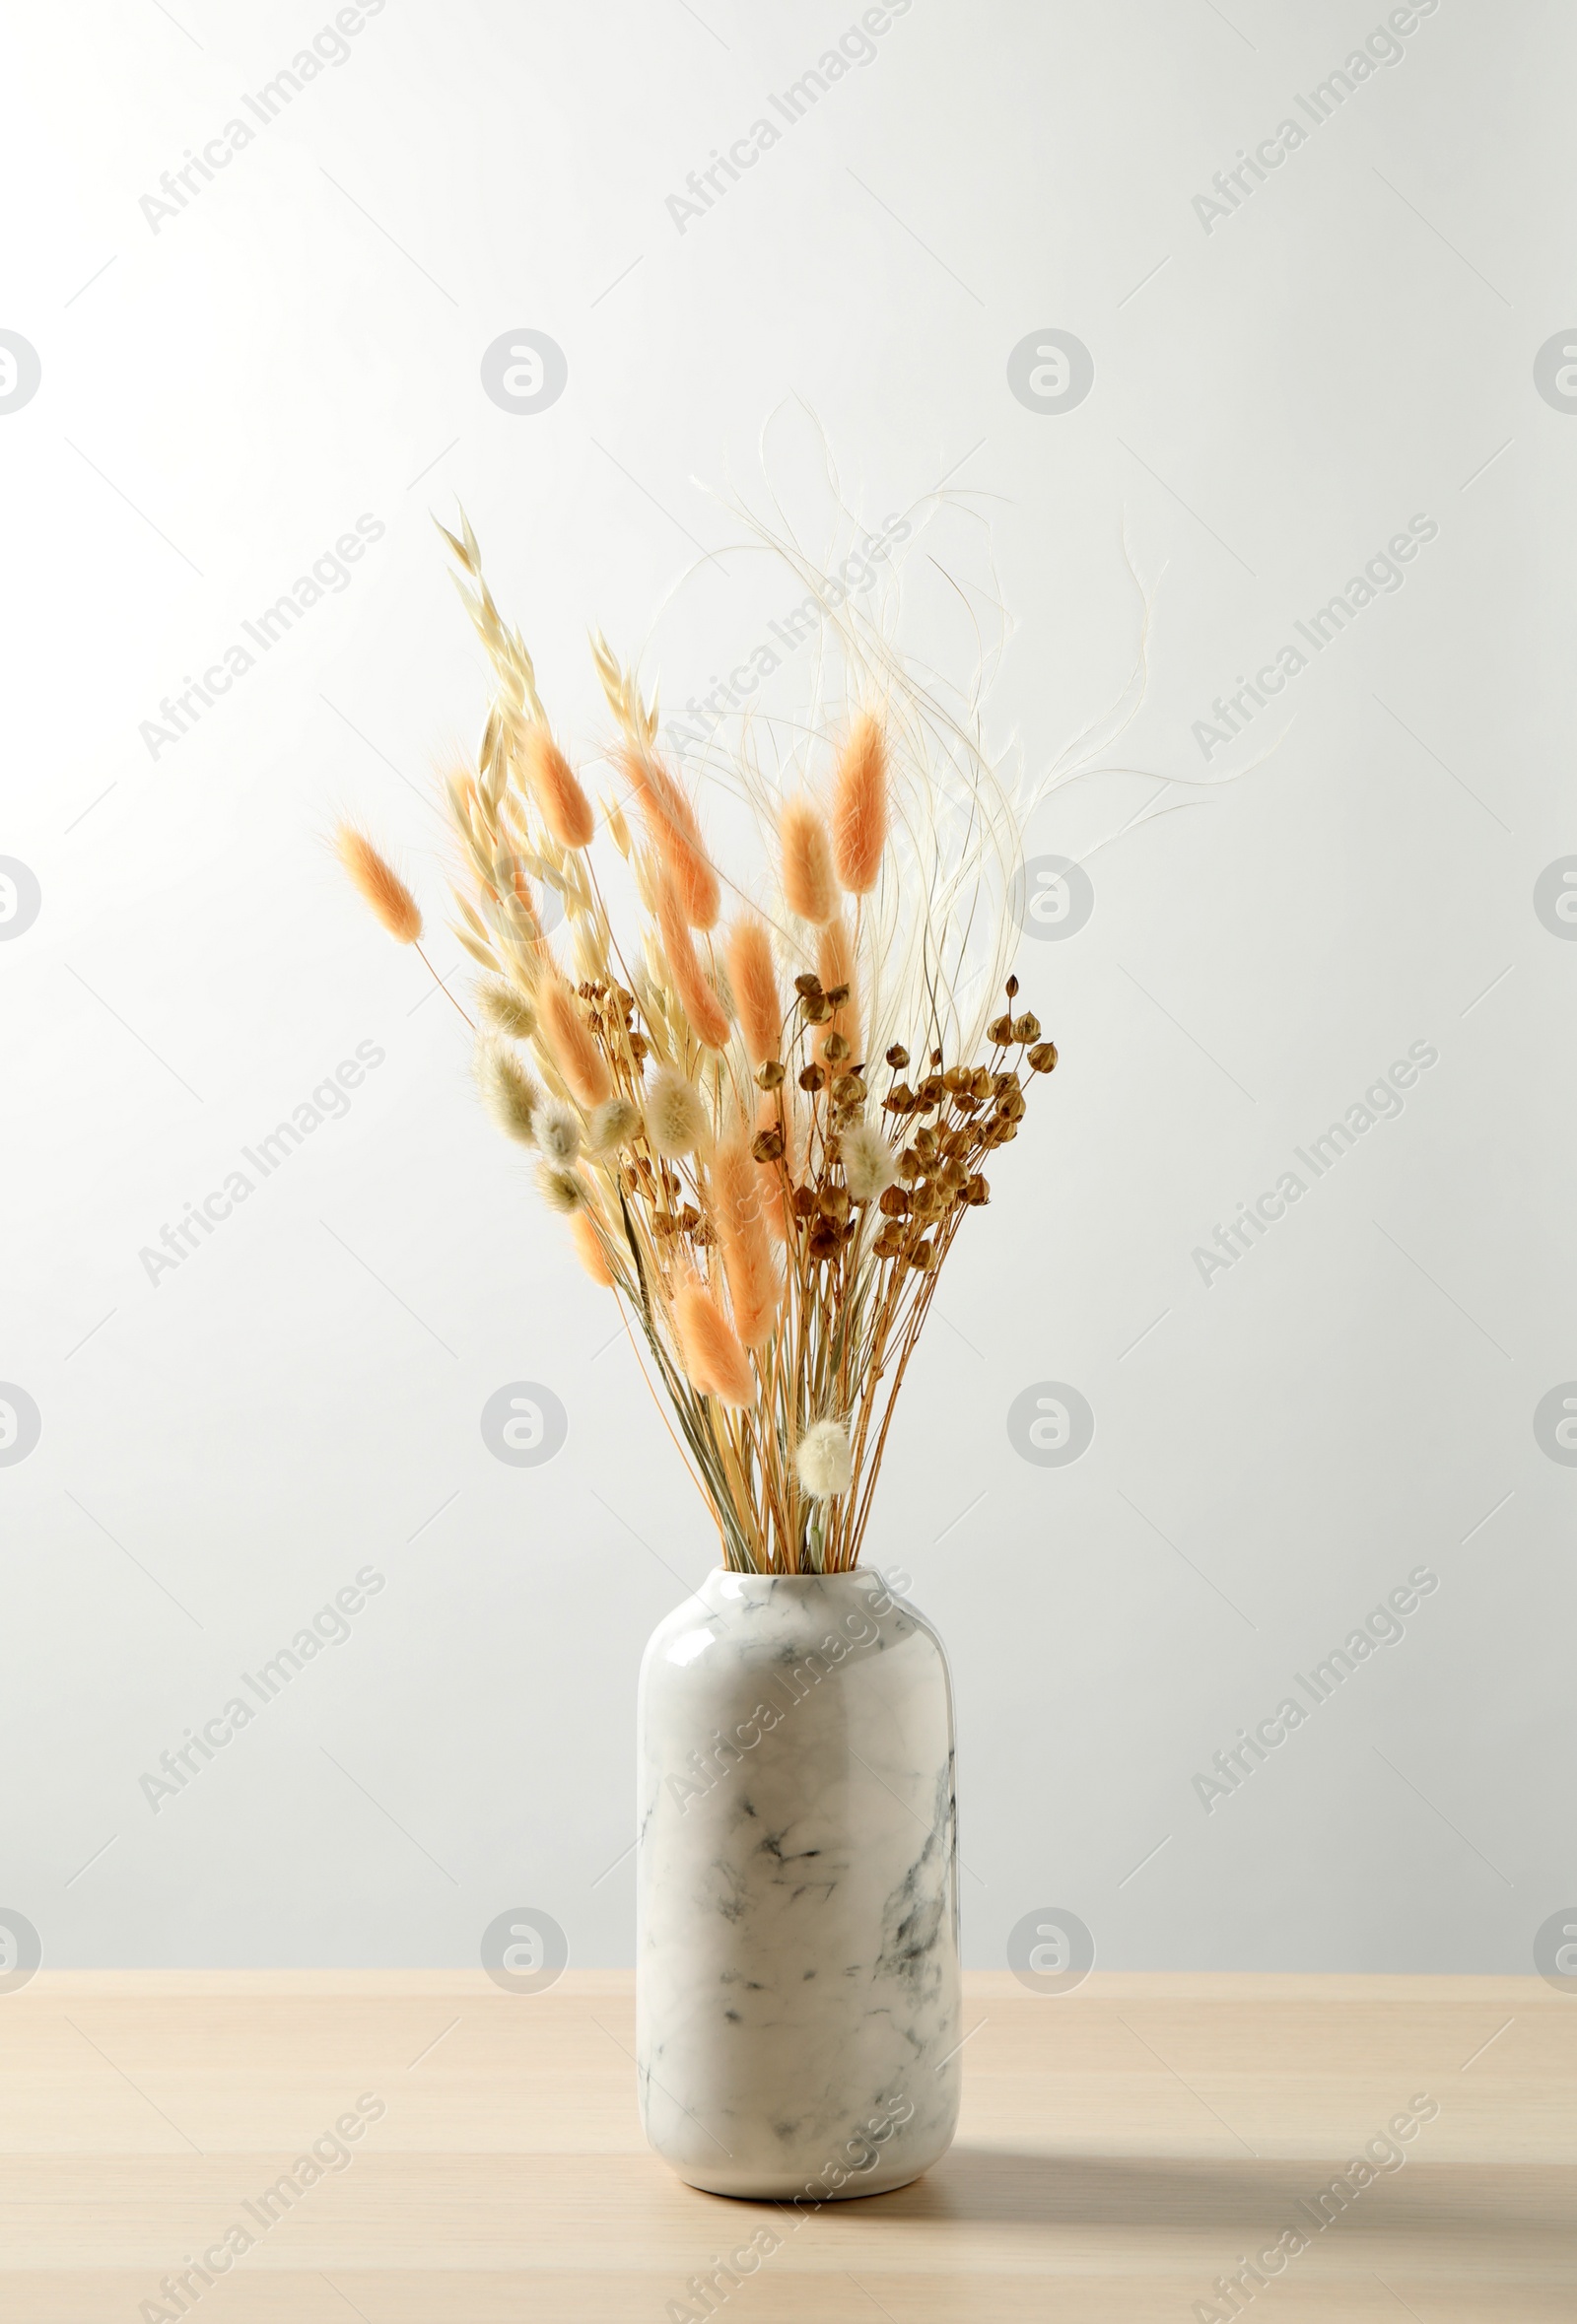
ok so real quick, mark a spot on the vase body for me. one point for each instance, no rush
(798, 1991)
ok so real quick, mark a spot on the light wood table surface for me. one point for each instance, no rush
(1121, 2147)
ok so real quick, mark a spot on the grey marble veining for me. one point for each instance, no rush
(797, 1994)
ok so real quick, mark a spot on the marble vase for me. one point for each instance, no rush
(798, 1991)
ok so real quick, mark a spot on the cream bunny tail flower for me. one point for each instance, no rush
(824, 1460)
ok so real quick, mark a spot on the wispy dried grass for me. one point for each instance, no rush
(732, 1127)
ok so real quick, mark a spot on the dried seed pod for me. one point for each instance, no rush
(837, 995)
(767, 1146)
(817, 1008)
(898, 1056)
(931, 1092)
(957, 1079)
(835, 1048)
(952, 1174)
(1012, 988)
(1010, 1105)
(807, 986)
(1027, 1027)
(910, 1166)
(804, 1203)
(900, 1099)
(1043, 1056)
(923, 1257)
(894, 1202)
(976, 1191)
(770, 1075)
(849, 1089)
(813, 1077)
(833, 1203)
(1000, 1031)
(889, 1243)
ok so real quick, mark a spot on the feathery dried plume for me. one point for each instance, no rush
(836, 965)
(755, 1290)
(870, 1165)
(569, 1038)
(379, 885)
(707, 1347)
(824, 1460)
(612, 1125)
(509, 1091)
(588, 1249)
(701, 1003)
(674, 831)
(859, 807)
(557, 1131)
(556, 789)
(809, 885)
(563, 1191)
(748, 951)
(676, 1117)
(506, 1009)
(778, 1254)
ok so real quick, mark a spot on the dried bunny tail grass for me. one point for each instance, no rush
(824, 1460)
(557, 1131)
(563, 1191)
(614, 1123)
(505, 1011)
(748, 952)
(556, 789)
(509, 1092)
(809, 885)
(701, 1003)
(755, 1289)
(836, 965)
(378, 884)
(569, 1038)
(675, 1116)
(708, 1349)
(672, 829)
(869, 1164)
(588, 1249)
(859, 807)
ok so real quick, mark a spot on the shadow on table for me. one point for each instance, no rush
(1004, 2187)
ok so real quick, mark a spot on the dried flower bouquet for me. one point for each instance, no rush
(763, 1123)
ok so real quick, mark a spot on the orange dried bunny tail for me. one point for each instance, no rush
(701, 1003)
(859, 807)
(710, 1353)
(379, 885)
(748, 953)
(808, 883)
(556, 789)
(754, 1286)
(673, 831)
(569, 1037)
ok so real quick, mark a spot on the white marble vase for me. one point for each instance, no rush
(797, 1995)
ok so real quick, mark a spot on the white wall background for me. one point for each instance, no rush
(1273, 1451)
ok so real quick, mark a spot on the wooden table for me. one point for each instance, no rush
(1122, 2147)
